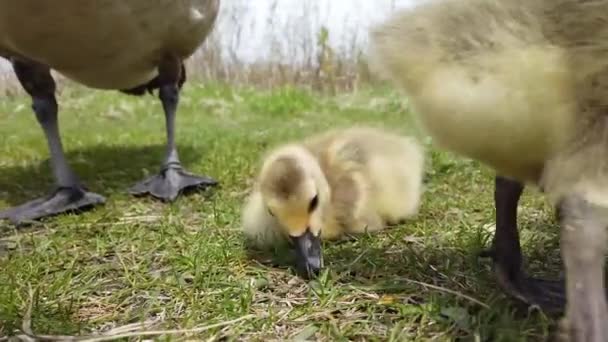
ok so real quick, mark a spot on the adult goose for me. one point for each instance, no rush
(134, 46)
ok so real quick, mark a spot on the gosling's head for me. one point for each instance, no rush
(296, 193)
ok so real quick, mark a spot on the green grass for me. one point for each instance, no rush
(185, 264)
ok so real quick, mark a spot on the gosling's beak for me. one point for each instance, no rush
(309, 258)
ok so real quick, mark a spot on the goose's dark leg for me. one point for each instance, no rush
(69, 195)
(172, 178)
(507, 257)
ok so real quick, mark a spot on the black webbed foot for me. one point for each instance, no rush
(62, 200)
(170, 182)
(70, 196)
(548, 295)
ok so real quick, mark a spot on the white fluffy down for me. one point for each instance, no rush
(511, 106)
(390, 179)
(259, 227)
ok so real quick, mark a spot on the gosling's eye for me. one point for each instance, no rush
(270, 212)
(313, 203)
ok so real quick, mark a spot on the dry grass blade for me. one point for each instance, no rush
(169, 332)
(443, 289)
(29, 335)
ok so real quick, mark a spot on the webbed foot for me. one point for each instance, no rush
(170, 182)
(548, 295)
(60, 201)
(69, 196)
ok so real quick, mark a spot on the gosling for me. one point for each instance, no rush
(343, 181)
(522, 86)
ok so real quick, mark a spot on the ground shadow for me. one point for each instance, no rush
(103, 169)
(395, 267)
(390, 273)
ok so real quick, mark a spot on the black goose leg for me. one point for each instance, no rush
(507, 257)
(172, 178)
(69, 195)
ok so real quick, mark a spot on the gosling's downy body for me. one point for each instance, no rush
(135, 46)
(344, 181)
(521, 85)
